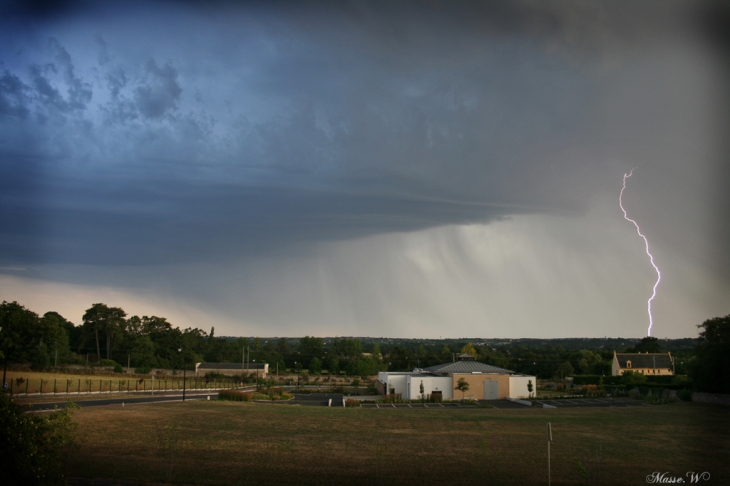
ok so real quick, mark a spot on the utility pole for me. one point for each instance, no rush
(549, 440)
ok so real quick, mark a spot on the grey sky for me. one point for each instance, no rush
(367, 169)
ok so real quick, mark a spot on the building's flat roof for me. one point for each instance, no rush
(467, 367)
(231, 366)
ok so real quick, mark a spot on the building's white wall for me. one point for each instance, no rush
(398, 383)
(615, 369)
(430, 384)
(383, 377)
(518, 386)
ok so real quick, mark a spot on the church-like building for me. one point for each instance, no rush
(652, 364)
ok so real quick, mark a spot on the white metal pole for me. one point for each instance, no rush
(549, 440)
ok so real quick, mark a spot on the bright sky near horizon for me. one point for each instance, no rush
(421, 169)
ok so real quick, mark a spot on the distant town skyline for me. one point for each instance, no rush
(367, 169)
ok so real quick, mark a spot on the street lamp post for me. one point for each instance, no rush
(257, 374)
(179, 350)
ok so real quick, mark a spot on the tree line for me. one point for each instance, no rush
(107, 334)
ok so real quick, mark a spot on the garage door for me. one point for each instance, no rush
(491, 390)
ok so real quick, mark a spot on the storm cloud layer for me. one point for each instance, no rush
(194, 150)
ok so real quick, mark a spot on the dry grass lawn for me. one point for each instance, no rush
(221, 443)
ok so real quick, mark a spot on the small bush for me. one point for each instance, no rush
(142, 370)
(108, 362)
(685, 395)
(213, 376)
(350, 402)
(435, 398)
(236, 395)
(118, 368)
(35, 448)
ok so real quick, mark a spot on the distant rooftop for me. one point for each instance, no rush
(467, 367)
(231, 366)
(645, 360)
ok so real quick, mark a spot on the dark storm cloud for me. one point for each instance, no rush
(161, 92)
(13, 97)
(228, 130)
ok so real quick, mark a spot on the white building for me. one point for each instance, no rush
(485, 382)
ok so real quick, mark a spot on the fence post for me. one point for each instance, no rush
(26, 385)
(78, 390)
(54, 386)
(41, 391)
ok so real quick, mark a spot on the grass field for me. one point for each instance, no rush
(220, 443)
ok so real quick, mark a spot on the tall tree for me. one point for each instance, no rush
(94, 322)
(100, 318)
(282, 347)
(711, 369)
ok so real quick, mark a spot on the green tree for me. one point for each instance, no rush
(377, 355)
(445, 354)
(282, 347)
(587, 360)
(648, 345)
(109, 321)
(54, 329)
(309, 347)
(529, 387)
(565, 369)
(711, 368)
(39, 359)
(333, 366)
(315, 366)
(463, 386)
(347, 348)
(18, 336)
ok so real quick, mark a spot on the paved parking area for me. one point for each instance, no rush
(507, 404)
(421, 406)
(591, 402)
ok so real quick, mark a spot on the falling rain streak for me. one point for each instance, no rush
(646, 243)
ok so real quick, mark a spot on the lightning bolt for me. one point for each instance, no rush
(646, 243)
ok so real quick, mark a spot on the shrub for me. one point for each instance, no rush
(108, 362)
(236, 395)
(435, 398)
(350, 402)
(213, 376)
(118, 368)
(142, 370)
(685, 395)
(34, 448)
